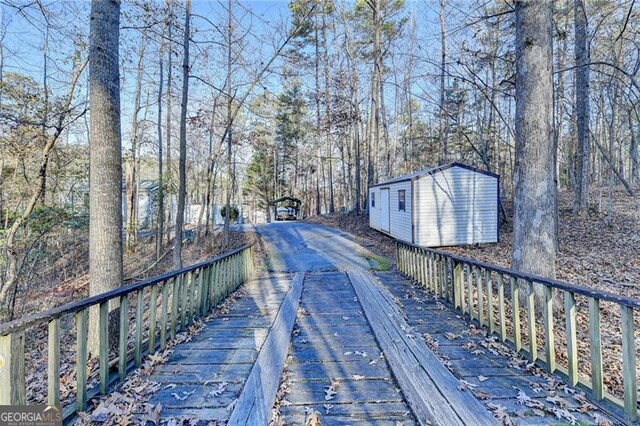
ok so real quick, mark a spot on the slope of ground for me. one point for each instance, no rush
(592, 253)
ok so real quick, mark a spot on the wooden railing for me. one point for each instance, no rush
(164, 305)
(492, 296)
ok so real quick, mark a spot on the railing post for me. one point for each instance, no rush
(124, 337)
(153, 312)
(12, 382)
(596, 349)
(103, 351)
(479, 276)
(531, 313)
(53, 363)
(139, 327)
(81, 360)
(550, 348)
(469, 274)
(572, 344)
(489, 281)
(515, 305)
(184, 282)
(252, 263)
(192, 296)
(424, 255)
(204, 289)
(457, 286)
(163, 315)
(629, 364)
(501, 308)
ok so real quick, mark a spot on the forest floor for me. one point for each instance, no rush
(592, 253)
(67, 278)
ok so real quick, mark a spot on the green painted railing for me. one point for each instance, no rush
(164, 305)
(492, 296)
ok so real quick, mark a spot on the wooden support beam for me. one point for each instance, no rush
(255, 403)
(430, 389)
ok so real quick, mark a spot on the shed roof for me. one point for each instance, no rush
(431, 171)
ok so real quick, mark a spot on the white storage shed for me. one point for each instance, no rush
(449, 205)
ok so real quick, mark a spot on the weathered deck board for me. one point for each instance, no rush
(469, 358)
(333, 341)
(430, 389)
(204, 377)
(259, 393)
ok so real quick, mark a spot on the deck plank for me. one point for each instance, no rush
(431, 390)
(204, 377)
(333, 342)
(259, 393)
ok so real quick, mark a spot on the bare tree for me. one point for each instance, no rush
(161, 188)
(105, 176)
(182, 161)
(442, 116)
(534, 249)
(582, 106)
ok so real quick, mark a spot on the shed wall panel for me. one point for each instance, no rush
(456, 206)
(400, 220)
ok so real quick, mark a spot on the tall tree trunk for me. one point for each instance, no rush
(182, 159)
(318, 116)
(355, 110)
(169, 118)
(373, 140)
(534, 249)
(327, 109)
(132, 177)
(442, 122)
(229, 131)
(582, 107)
(633, 150)
(105, 170)
(161, 188)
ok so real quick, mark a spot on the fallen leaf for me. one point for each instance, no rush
(184, 396)
(313, 419)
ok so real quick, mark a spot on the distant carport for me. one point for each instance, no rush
(289, 208)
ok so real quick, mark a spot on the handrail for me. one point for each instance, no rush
(602, 295)
(78, 305)
(164, 305)
(477, 290)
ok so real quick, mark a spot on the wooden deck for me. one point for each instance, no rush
(204, 377)
(335, 367)
(504, 381)
(364, 350)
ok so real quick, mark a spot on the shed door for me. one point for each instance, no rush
(384, 209)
